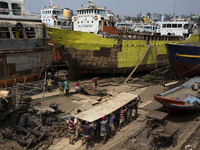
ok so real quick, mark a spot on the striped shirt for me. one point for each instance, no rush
(121, 113)
(71, 126)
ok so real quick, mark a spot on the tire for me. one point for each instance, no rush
(19, 27)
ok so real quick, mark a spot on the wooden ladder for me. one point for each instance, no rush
(138, 63)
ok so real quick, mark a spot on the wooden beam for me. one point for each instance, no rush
(138, 64)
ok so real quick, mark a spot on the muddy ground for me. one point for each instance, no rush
(133, 135)
(185, 121)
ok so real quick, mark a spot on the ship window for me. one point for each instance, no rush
(87, 21)
(4, 8)
(30, 32)
(59, 23)
(179, 25)
(17, 34)
(174, 25)
(95, 11)
(169, 25)
(64, 23)
(16, 9)
(92, 21)
(4, 33)
(186, 26)
(81, 21)
(164, 25)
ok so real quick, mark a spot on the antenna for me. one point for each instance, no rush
(174, 11)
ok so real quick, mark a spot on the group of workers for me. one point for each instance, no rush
(100, 130)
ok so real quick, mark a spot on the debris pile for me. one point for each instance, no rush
(30, 134)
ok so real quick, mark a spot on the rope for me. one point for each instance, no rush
(43, 61)
(190, 70)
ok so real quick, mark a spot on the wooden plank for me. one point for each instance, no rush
(105, 108)
(157, 115)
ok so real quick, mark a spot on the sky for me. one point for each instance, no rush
(124, 7)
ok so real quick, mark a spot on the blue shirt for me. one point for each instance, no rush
(111, 119)
(66, 85)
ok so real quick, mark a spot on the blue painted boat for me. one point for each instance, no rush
(182, 97)
(185, 59)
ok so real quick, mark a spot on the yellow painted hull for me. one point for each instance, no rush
(89, 53)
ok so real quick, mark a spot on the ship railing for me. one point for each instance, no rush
(143, 36)
(4, 11)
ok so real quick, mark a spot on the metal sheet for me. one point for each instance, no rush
(105, 108)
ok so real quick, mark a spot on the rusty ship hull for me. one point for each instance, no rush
(24, 53)
(88, 53)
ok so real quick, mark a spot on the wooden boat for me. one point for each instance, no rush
(184, 58)
(182, 97)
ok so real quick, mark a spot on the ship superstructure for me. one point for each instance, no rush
(55, 17)
(92, 19)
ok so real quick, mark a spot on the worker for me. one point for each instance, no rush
(78, 125)
(66, 83)
(61, 88)
(111, 124)
(77, 86)
(49, 84)
(121, 116)
(104, 129)
(71, 130)
(86, 134)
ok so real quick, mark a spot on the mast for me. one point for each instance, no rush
(174, 16)
(51, 4)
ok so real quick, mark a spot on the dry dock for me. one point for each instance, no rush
(133, 135)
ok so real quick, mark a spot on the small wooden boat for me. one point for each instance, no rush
(181, 97)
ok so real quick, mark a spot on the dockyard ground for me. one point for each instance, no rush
(133, 135)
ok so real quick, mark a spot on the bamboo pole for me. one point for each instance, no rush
(138, 64)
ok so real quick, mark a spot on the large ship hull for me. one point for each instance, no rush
(23, 65)
(185, 59)
(23, 57)
(87, 53)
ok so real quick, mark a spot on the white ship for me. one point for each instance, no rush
(55, 17)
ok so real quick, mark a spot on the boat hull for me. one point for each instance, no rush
(86, 53)
(184, 59)
(24, 52)
(23, 65)
(174, 104)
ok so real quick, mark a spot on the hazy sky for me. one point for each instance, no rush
(124, 7)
